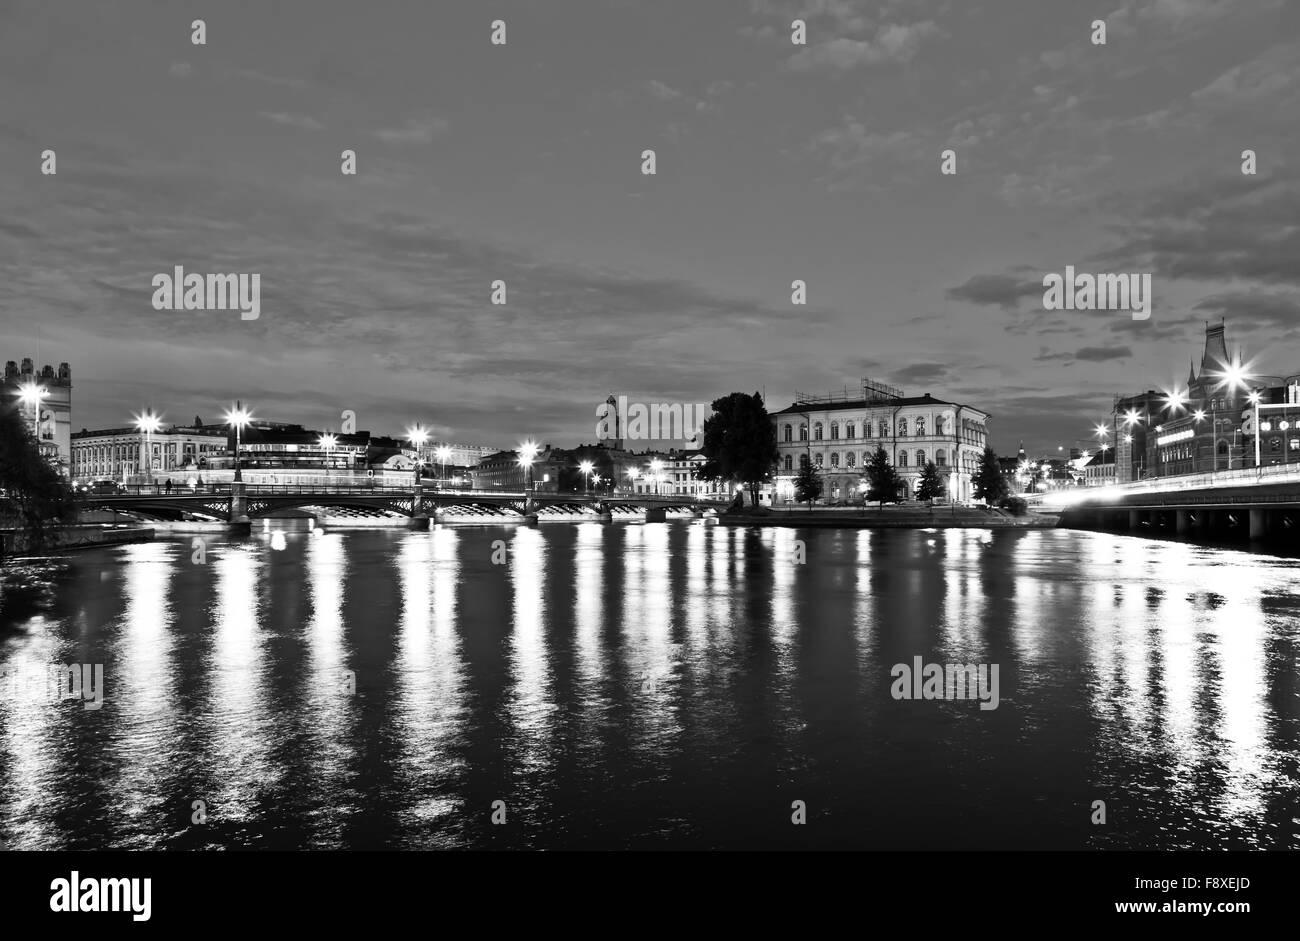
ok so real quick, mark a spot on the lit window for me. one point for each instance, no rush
(817, 459)
(902, 428)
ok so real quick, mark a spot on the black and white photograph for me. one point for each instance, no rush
(470, 436)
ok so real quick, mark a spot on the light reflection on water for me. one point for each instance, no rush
(672, 684)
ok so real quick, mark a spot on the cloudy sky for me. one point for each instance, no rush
(523, 163)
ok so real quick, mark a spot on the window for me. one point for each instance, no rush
(902, 458)
(803, 460)
(850, 459)
(940, 456)
(1295, 444)
(803, 432)
(902, 428)
(788, 433)
(920, 427)
(1275, 444)
(817, 431)
(835, 431)
(866, 428)
(920, 458)
(848, 430)
(788, 462)
(884, 428)
(835, 459)
(817, 459)
(938, 425)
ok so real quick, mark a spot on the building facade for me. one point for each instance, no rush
(47, 408)
(839, 433)
(122, 454)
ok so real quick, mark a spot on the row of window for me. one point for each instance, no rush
(850, 429)
(851, 459)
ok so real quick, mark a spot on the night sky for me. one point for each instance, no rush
(523, 163)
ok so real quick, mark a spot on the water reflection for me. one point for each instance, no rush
(660, 684)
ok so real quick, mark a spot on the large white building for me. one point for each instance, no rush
(838, 434)
(120, 453)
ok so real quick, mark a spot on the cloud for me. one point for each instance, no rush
(301, 121)
(920, 372)
(180, 69)
(1230, 227)
(662, 91)
(996, 290)
(891, 45)
(414, 131)
(1256, 309)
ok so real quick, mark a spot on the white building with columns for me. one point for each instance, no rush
(838, 434)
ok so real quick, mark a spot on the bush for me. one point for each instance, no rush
(1016, 506)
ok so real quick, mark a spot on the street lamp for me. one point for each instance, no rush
(527, 454)
(443, 452)
(148, 423)
(587, 467)
(237, 418)
(327, 443)
(31, 394)
(656, 466)
(1254, 400)
(417, 436)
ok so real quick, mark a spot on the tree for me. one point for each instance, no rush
(931, 486)
(33, 496)
(989, 485)
(808, 484)
(739, 442)
(882, 479)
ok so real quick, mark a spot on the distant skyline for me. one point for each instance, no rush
(522, 163)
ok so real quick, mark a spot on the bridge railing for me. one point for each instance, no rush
(1238, 477)
(389, 488)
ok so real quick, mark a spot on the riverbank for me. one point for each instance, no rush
(14, 543)
(892, 517)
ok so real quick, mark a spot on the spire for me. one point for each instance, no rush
(1021, 453)
(1215, 356)
(1191, 373)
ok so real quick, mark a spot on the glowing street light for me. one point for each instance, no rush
(1175, 400)
(327, 444)
(587, 467)
(527, 454)
(148, 423)
(237, 418)
(443, 453)
(656, 467)
(31, 394)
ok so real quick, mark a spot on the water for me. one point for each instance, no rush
(654, 686)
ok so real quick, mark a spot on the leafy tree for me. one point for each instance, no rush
(882, 479)
(931, 486)
(808, 485)
(989, 485)
(33, 496)
(739, 442)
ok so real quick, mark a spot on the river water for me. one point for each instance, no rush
(670, 685)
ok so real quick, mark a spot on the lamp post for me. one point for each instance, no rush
(1254, 400)
(443, 453)
(586, 467)
(327, 443)
(656, 466)
(632, 475)
(417, 436)
(31, 394)
(527, 454)
(148, 423)
(237, 418)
